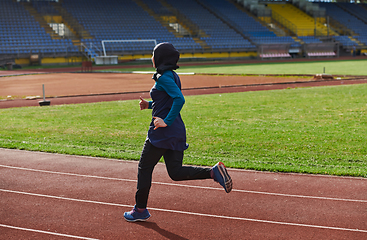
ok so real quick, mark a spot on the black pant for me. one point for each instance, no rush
(173, 159)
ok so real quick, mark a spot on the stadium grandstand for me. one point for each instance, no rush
(72, 31)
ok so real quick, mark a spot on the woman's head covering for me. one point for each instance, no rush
(165, 57)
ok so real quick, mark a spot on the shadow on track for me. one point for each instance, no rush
(164, 233)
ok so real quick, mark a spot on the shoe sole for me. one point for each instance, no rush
(138, 219)
(225, 175)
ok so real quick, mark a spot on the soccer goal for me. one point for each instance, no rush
(114, 48)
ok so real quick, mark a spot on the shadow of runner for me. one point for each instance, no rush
(164, 233)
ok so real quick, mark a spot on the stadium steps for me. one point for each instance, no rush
(279, 29)
(186, 23)
(267, 22)
(351, 12)
(228, 23)
(340, 28)
(164, 20)
(167, 20)
(192, 28)
(298, 40)
(39, 18)
(356, 40)
(297, 21)
(75, 27)
(76, 42)
(202, 43)
(90, 54)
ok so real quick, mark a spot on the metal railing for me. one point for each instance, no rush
(299, 31)
(42, 51)
(90, 52)
(88, 49)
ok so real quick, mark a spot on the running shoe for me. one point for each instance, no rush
(135, 216)
(222, 177)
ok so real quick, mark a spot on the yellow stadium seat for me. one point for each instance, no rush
(298, 21)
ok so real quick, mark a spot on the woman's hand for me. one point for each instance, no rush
(158, 122)
(144, 104)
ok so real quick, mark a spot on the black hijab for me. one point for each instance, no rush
(165, 58)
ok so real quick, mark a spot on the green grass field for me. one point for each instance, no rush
(319, 130)
(346, 67)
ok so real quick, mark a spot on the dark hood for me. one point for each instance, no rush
(165, 57)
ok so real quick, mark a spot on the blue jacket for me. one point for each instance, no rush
(167, 102)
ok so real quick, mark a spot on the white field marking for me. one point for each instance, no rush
(190, 186)
(46, 232)
(190, 213)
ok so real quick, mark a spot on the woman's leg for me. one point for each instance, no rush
(149, 158)
(177, 172)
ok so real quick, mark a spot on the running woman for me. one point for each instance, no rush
(167, 134)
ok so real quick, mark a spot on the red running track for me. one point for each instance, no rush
(186, 92)
(53, 196)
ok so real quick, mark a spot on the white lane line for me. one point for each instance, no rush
(46, 232)
(190, 213)
(191, 186)
(68, 174)
(161, 163)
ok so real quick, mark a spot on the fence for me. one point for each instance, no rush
(279, 50)
(42, 51)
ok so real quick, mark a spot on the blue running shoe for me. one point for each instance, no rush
(222, 177)
(135, 216)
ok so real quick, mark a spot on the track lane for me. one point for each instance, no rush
(179, 218)
(252, 208)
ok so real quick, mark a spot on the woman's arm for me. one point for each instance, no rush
(170, 87)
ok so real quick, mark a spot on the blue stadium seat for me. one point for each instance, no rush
(20, 30)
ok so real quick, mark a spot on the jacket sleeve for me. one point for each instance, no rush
(170, 87)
